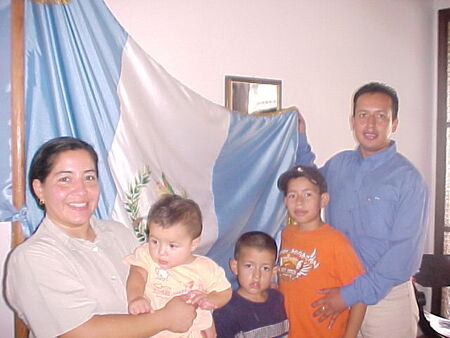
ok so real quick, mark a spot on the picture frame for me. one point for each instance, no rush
(250, 95)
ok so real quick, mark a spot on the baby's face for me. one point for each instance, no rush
(172, 246)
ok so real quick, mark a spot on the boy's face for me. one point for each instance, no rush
(304, 201)
(173, 246)
(254, 269)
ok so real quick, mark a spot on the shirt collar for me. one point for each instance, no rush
(55, 230)
(380, 157)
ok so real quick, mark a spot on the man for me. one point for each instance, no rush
(379, 200)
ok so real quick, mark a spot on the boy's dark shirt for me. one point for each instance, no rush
(244, 318)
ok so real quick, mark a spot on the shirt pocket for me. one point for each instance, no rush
(374, 216)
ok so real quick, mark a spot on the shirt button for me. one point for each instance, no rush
(95, 249)
(113, 277)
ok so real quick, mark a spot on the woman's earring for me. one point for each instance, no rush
(41, 202)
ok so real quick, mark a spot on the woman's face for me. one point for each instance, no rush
(70, 192)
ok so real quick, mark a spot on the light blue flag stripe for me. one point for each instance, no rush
(6, 209)
(73, 56)
(258, 149)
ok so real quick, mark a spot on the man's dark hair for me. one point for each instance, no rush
(173, 209)
(377, 87)
(255, 239)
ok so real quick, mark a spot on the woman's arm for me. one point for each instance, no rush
(176, 316)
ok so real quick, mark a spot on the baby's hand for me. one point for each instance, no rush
(200, 299)
(139, 305)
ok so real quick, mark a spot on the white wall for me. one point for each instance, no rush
(322, 50)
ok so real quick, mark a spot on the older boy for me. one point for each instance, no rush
(313, 256)
(255, 310)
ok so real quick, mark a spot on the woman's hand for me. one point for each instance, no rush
(178, 314)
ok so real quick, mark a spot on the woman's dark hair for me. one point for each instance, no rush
(44, 158)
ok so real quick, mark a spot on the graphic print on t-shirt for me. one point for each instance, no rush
(296, 263)
(167, 285)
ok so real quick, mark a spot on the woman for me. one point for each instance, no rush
(68, 279)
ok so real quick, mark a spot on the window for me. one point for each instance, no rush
(442, 211)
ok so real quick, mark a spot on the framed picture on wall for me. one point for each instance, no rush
(252, 95)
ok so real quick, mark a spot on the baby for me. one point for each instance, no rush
(166, 267)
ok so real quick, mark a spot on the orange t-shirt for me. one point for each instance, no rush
(309, 261)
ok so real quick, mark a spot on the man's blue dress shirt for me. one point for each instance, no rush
(380, 203)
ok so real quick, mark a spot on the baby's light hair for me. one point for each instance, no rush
(174, 209)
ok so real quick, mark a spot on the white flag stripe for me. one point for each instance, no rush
(169, 128)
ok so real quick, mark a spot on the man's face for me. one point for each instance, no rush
(372, 122)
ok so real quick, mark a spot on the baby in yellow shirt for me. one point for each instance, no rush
(166, 267)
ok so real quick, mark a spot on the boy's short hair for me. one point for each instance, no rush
(173, 209)
(312, 174)
(255, 239)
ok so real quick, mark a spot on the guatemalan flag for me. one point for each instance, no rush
(86, 77)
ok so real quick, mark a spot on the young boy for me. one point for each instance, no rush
(314, 256)
(255, 310)
(166, 266)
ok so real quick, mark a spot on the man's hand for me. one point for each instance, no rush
(331, 304)
(179, 314)
(301, 123)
